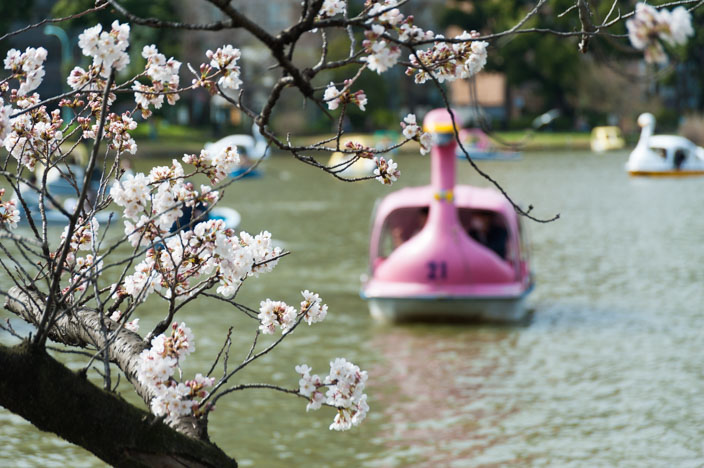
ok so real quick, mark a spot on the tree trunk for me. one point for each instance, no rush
(82, 327)
(55, 399)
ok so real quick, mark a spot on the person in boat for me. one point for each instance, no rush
(486, 229)
(190, 217)
(680, 156)
(399, 234)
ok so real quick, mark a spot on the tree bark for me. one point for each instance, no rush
(55, 399)
(82, 327)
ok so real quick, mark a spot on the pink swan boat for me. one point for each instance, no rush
(446, 252)
(479, 146)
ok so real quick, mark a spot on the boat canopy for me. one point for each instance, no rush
(464, 196)
(403, 212)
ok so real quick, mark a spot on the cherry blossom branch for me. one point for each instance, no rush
(225, 346)
(236, 388)
(82, 327)
(249, 359)
(42, 332)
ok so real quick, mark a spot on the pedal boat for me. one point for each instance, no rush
(607, 138)
(664, 155)
(480, 147)
(442, 272)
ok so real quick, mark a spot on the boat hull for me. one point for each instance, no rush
(230, 216)
(490, 155)
(671, 173)
(466, 309)
(245, 172)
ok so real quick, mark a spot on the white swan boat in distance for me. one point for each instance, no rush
(663, 155)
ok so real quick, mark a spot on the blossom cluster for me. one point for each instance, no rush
(381, 53)
(5, 113)
(449, 61)
(27, 67)
(208, 251)
(165, 80)
(313, 309)
(345, 391)
(32, 136)
(412, 131)
(89, 82)
(331, 8)
(334, 97)
(650, 26)
(274, 314)
(160, 195)
(446, 61)
(82, 269)
(385, 20)
(108, 49)
(78, 78)
(84, 234)
(386, 172)
(156, 370)
(185, 258)
(9, 214)
(116, 131)
(225, 59)
(216, 165)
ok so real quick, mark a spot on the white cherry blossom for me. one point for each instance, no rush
(382, 56)
(345, 390)
(5, 112)
(9, 214)
(273, 314)
(314, 310)
(157, 366)
(649, 26)
(27, 67)
(225, 59)
(108, 49)
(332, 96)
(333, 7)
(386, 172)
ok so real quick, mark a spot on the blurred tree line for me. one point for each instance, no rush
(167, 39)
(608, 84)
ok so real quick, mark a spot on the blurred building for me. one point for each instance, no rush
(486, 93)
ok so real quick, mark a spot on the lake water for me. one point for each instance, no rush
(607, 373)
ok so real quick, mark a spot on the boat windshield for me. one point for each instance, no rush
(487, 227)
(399, 226)
(662, 152)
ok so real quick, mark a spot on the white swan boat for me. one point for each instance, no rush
(229, 215)
(663, 155)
